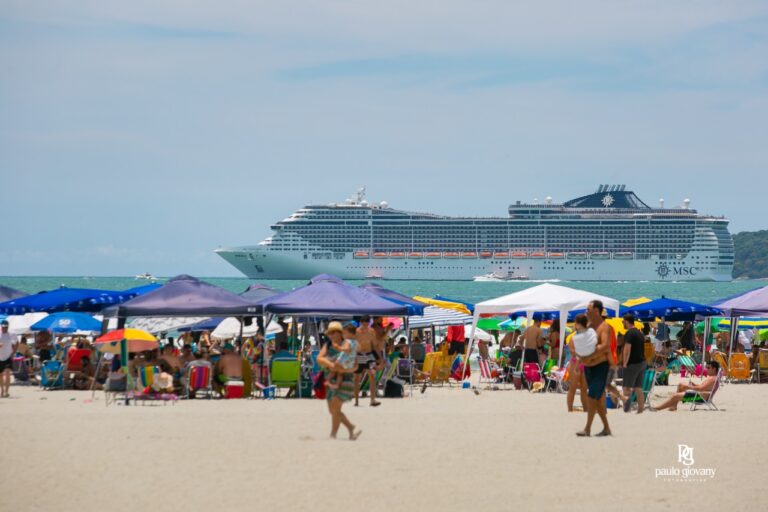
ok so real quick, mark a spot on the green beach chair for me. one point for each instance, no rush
(285, 373)
(649, 379)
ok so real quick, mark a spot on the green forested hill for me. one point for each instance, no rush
(751, 254)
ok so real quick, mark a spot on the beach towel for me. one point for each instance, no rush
(584, 342)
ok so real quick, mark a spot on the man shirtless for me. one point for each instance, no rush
(690, 392)
(533, 340)
(230, 366)
(367, 359)
(596, 368)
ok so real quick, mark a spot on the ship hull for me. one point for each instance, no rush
(263, 263)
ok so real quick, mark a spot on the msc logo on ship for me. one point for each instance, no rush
(665, 271)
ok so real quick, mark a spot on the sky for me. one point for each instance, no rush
(139, 136)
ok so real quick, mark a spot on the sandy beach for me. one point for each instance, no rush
(448, 449)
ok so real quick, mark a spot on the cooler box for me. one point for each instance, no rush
(233, 389)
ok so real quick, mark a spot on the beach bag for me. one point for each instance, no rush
(319, 385)
(394, 388)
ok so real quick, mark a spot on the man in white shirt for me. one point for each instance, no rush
(6, 356)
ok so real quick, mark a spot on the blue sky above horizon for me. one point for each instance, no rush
(139, 137)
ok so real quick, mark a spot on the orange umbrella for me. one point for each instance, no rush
(136, 341)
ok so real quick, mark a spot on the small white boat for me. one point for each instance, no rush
(146, 276)
(494, 277)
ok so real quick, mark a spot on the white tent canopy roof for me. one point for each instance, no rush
(545, 297)
(230, 328)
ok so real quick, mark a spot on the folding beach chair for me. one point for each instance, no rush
(557, 379)
(687, 363)
(486, 372)
(199, 379)
(284, 373)
(738, 369)
(717, 356)
(531, 374)
(145, 393)
(762, 365)
(700, 401)
(649, 379)
(147, 376)
(52, 375)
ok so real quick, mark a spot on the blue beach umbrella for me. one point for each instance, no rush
(67, 323)
(671, 310)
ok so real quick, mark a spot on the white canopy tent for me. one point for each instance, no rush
(158, 324)
(546, 297)
(230, 328)
(20, 324)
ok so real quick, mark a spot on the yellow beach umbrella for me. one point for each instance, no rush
(455, 306)
(618, 325)
(635, 302)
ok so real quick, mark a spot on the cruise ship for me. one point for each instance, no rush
(609, 235)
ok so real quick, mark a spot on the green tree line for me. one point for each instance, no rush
(751, 254)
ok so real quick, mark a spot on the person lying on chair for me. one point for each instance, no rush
(687, 392)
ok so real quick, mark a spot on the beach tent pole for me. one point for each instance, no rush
(734, 339)
(563, 321)
(705, 340)
(475, 318)
(412, 366)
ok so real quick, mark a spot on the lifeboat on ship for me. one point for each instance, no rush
(578, 255)
(601, 255)
(398, 254)
(538, 255)
(361, 255)
(469, 255)
(486, 254)
(415, 255)
(451, 255)
(556, 255)
(501, 255)
(623, 255)
(519, 255)
(434, 255)
(379, 255)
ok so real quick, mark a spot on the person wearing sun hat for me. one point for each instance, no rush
(327, 358)
(6, 355)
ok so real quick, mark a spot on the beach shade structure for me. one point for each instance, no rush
(751, 303)
(470, 307)
(185, 296)
(231, 327)
(490, 324)
(635, 302)
(22, 324)
(671, 310)
(67, 322)
(745, 323)
(510, 324)
(133, 340)
(7, 293)
(541, 298)
(329, 296)
(414, 306)
(68, 299)
(618, 325)
(257, 292)
(438, 317)
(444, 304)
(164, 324)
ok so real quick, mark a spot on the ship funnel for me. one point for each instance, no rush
(686, 203)
(548, 200)
(661, 203)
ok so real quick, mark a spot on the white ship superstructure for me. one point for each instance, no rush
(610, 235)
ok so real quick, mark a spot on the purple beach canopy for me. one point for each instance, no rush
(188, 296)
(327, 295)
(8, 293)
(752, 303)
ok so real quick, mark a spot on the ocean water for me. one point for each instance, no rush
(468, 291)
